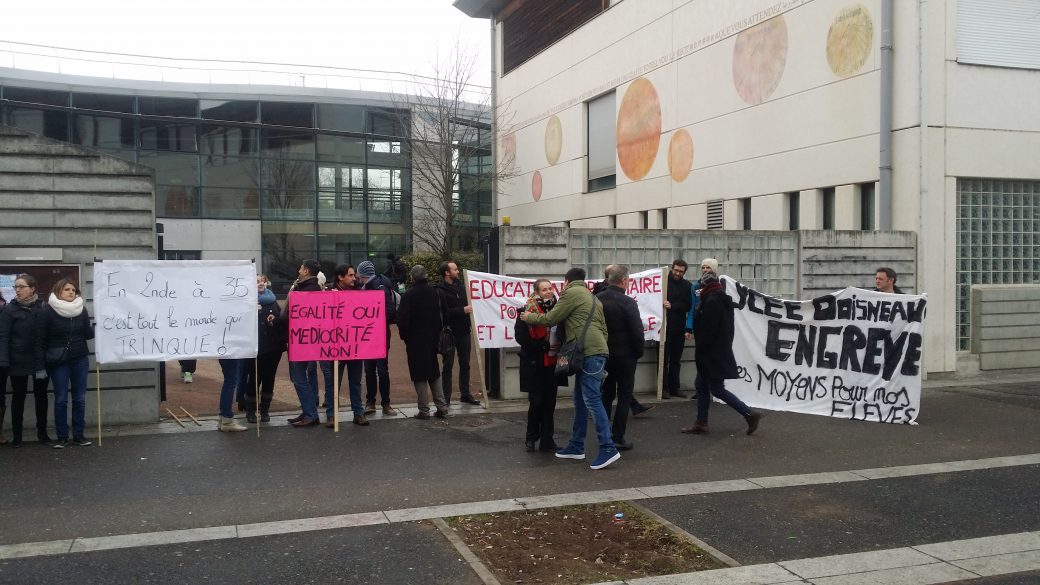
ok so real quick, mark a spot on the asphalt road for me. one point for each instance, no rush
(167, 482)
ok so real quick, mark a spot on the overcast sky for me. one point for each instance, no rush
(392, 35)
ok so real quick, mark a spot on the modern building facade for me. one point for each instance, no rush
(274, 173)
(783, 115)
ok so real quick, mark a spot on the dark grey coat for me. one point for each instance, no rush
(419, 321)
(18, 332)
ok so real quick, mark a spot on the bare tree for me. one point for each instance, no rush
(450, 141)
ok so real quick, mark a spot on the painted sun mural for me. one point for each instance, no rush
(680, 155)
(638, 129)
(553, 140)
(536, 185)
(850, 40)
(508, 150)
(759, 59)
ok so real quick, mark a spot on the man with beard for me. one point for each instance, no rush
(677, 305)
(456, 310)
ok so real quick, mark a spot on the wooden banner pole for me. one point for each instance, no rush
(335, 399)
(664, 334)
(256, 386)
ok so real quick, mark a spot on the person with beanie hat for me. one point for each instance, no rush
(377, 371)
(714, 355)
(707, 265)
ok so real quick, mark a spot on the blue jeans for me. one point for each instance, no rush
(71, 373)
(353, 368)
(708, 387)
(300, 373)
(232, 370)
(588, 399)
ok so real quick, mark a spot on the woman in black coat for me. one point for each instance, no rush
(538, 377)
(420, 319)
(61, 344)
(270, 346)
(18, 323)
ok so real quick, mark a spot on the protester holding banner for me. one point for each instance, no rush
(377, 371)
(576, 306)
(625, 343)
(18, 323)
(538, 346)
(714, 355)
(677, 306)
(456, 316)
(262, 369)
(419, 321)
(63, 330)
(346, 279)
(306, 387)
(885, 281)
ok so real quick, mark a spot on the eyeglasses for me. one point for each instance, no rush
(21, 286)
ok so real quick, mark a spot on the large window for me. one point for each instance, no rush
(602, 142)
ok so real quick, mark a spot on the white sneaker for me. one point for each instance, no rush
(230, 425)
(187, 377)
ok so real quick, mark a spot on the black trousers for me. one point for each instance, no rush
(619, 383)
(540, 426)
(188, 366)
(265, 366)
(674, 344)
(19, 390)
(377, 376)
(463, 343)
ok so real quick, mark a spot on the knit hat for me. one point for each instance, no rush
(366, 270)
(711, 263)
(709, 278)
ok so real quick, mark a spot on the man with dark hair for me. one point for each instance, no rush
(396, 271)
(625, 344)
(885, 281)
(576, 307)
(306, 386)
(676, 306)
(456, 309)
(377, 371)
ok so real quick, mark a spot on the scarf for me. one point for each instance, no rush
(67, 309)
(265, 298)
(29, 301)
(539, 332)
(707, 289)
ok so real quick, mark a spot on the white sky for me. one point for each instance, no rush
(392, 35)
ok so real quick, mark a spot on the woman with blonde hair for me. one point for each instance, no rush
(18, 325)
(63, 331)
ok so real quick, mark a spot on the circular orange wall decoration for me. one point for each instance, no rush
(638, 129)
(553, 140)
(680, 155)
(850, 40)
(759, 59)
(536, 185)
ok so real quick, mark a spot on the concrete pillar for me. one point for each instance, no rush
(846, 208)
(769, 212)
(810, 209)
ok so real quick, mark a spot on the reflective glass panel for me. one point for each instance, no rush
(104, 102)
(232, 111)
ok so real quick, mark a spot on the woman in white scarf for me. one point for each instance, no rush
(62, 346)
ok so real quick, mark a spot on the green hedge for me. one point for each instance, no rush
(432, 262)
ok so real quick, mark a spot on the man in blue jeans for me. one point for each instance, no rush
(576, 308)
(306, 385)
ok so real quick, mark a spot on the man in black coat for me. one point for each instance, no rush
(456, 312)
(635, 407)
(676, 306)
(419, 321)
(714, 355)
(625, 343)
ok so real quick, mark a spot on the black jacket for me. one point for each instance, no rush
(419, 322)
(269, 337)
(624, 326)
(679, 295)
(453, 301)
(18, 335)
(55, 331)
(535, 376)
(380, 282)
(714, 335)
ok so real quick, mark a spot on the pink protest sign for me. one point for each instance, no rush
(337, 325)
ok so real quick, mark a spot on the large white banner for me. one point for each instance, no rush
(496, 300)
(162, 310)
(852, 354)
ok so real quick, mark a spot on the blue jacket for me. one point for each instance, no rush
(693, 305)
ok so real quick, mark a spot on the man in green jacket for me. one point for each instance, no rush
(576, 301)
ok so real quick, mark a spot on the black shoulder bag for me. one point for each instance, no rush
(56, 356)
(572, 353)
(446, 339)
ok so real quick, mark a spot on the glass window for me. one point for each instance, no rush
(104, 102)
(341, 149)
(341, 243)
(602, 140)
(387, 122)
(828, 208)
(226, 171)
(341, 193)
(173, 169)
(341, 117)
(288, 189)
(793, 209)
(227, 140)
(172, 136)
(36, 96)
(285, 244)
(385, 197)
(866, 203)
(50, 123)
(102, 132)
(745, 212)
(176, 201)
(231, 203)
(232, 111)
(177, 107)
(287, 114)
(287, 144)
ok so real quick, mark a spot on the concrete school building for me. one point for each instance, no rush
(872, 115)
